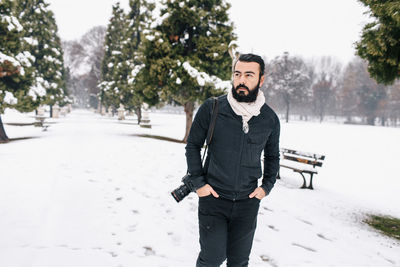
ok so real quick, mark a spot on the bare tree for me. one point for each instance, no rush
(288, 77)
(327, 79)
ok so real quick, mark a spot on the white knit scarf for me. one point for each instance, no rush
(246, 110)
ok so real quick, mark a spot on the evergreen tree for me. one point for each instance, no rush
(186, 54)
(288, 77)
(15, 67)
(138, 19)
(380, 40)
(40, 29)
(113, 58)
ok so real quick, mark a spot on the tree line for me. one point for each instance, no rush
(324, 87)
(179, 52)
(31, 59)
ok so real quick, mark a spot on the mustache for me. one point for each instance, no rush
(242, 86)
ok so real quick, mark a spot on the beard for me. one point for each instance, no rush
(241, 97)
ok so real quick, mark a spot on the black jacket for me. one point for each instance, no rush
(233, 163)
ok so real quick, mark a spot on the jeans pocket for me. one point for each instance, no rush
(206, 222)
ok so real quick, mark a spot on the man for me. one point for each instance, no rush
(229, 195)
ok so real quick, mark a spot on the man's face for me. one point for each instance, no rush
(246, 81)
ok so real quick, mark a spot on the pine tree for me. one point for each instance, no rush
(40, 29)
(138, 20)
(380, 40)
(186, 54)
(15, 67)
(113, 58)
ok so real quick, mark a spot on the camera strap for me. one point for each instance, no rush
(211, 127)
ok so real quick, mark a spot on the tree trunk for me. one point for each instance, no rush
(189, 107)
(371, 120)
(138, 112)
(51, 111)
(321, 117)
(3, 135)
(287, 111)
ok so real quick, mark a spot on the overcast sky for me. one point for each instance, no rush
(308, 28)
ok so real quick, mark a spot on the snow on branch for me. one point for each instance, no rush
(13, 23)
(10, 99)
(203, 78)
(135, 72)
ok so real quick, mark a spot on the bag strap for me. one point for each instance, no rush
(211, 126)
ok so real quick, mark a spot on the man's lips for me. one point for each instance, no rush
(240, 90)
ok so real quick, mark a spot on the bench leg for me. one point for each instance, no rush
(311, 186)
(304, 181)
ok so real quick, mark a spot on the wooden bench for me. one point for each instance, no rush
(301, 163)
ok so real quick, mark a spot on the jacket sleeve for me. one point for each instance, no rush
(195, 141)
(271, 159)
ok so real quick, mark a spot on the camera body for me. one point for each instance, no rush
(182, 191)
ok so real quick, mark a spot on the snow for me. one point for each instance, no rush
(159, 19)
(13, 61)
(10, 99)
(37, 89)
(136, 69)
(150, 37)
(203, 78)
(88, 192)
(31, 41)
(13, 23)
(55, 50)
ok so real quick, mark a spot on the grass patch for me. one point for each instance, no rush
(389, 226)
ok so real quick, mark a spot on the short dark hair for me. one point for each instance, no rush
(252, 58)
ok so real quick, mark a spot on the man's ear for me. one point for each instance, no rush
(262, 80)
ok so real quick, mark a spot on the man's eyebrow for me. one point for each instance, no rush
(249, 71)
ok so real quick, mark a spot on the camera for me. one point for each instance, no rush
(182, 191)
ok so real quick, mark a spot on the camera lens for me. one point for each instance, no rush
(180, 193)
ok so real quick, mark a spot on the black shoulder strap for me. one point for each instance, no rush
(212, 122)
(211, 126)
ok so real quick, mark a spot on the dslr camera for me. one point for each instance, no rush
(182, 191)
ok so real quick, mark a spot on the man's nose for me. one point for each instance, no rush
(242, 80)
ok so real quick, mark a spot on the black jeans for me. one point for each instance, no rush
(226, 230)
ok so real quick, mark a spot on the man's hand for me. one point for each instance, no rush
(258, 193)
(206, 191)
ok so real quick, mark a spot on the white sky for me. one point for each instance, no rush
(308, 28)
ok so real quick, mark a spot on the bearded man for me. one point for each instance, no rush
(227, 185)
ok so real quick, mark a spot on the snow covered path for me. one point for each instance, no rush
(89, 193)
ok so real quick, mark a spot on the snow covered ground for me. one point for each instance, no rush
(88, 192)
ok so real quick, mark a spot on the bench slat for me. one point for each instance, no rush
(299, 167)
(303, 160)
(304, 154)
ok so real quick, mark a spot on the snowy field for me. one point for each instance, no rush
(89, 193)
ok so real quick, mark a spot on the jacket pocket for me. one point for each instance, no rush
(254, 145)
